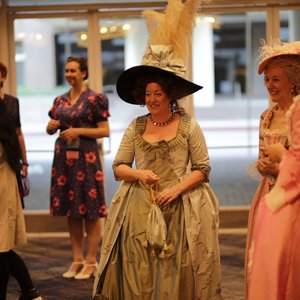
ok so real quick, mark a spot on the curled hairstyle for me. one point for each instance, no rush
(82, 64)
(290, 64)
(167, 85)
(9, 140)
(3, 72)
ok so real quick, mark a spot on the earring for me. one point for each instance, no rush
(293, 91)
(173, 106)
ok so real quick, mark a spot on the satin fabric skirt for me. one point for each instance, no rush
(261, 191)
(140, 273)
(276, 260)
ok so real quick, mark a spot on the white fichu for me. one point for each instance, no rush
(174, 26)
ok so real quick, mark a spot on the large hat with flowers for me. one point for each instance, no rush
(274, 49)
(167, 51)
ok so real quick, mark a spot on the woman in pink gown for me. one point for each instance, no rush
(280, 63)
(276, 260)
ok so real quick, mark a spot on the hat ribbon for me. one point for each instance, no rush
(163, 57)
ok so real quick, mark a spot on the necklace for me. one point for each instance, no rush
(163, 123)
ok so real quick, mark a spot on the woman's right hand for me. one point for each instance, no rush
(52, 126)
(148, 177)
(266, 167)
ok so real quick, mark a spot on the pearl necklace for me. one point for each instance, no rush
(163, 123)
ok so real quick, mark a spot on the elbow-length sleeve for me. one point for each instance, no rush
(126, 151)
(52, 111)
(198, 150)
(101, 108)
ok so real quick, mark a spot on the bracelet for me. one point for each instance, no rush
(25, 163)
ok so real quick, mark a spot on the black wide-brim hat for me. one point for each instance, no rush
(127, 82)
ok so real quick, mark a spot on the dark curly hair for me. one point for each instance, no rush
(3, 69)
(82, 61)
(167, 84)
(3, 72)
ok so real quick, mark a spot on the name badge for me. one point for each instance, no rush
(73, 149)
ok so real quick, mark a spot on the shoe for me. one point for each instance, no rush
(31, 295)
(83, 273)
(72, 272)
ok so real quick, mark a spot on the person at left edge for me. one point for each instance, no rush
(12, 106)
(12, 222)
(77, 189)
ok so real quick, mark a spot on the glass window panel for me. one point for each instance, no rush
(290, 25)
(239, 95)
(230, 121)
(42, 46)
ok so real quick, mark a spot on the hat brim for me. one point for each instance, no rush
(126, 83)
(262, 66)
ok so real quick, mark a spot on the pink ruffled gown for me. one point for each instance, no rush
(267, 137)
(276, 258)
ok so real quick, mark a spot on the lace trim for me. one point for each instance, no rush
(178, 141)
(268, 116)
(266, 123)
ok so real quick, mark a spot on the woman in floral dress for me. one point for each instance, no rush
(77, 189)
(281, 66)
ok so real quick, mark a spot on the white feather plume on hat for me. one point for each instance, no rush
(174, 26)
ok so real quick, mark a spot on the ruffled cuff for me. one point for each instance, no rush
(116, 164)
(205, 169)
(253, 172)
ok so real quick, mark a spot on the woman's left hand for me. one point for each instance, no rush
(70, 134)
(167, 196)
(274, 152)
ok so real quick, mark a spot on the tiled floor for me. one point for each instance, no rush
(48, 257)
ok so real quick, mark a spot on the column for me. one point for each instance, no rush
(135, 43)
(294, 26)
(203, 64)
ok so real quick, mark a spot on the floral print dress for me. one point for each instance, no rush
(77, 183)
